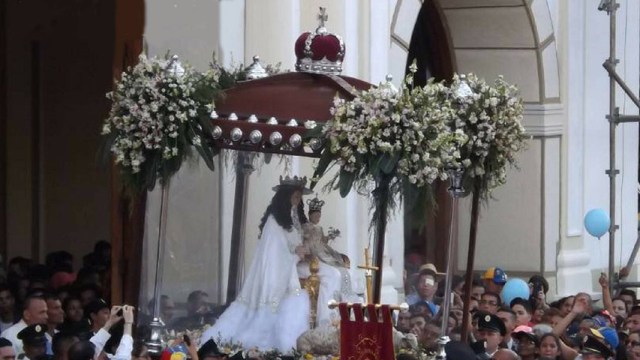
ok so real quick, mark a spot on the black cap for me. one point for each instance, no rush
(209, 348)
(594, 344)
(491, 322)
(33, 334)
(4, 342)
(95, 306)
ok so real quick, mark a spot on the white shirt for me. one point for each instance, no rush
(124, 350)
(11, 334)
(5, 325)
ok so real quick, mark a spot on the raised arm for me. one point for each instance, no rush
(579, 307)
(606, 295)
(102, 336)
(126, 343)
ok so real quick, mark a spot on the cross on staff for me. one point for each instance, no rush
(369, 269)
(323, 17)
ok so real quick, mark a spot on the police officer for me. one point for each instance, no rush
(34, 342)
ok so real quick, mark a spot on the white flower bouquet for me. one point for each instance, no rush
(157, 115)
(491, 117)
(399, 140)
(406, 140)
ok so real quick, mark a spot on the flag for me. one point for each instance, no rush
(366, 338)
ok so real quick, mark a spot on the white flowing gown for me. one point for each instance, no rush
(271, 311)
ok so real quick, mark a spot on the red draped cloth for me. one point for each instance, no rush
(367, 338)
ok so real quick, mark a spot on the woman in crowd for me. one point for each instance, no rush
(549, 347)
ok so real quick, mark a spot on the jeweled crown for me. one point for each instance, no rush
(293, 181)
(315, 204)
(320, 51)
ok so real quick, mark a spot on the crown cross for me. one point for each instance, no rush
(322, 17)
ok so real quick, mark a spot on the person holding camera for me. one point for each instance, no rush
(91, 350)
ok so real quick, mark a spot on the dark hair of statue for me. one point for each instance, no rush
(280, 208)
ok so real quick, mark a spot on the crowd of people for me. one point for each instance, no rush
(529, 327)
(49, 311)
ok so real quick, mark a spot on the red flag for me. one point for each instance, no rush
(366, 339)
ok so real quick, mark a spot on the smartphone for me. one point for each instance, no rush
(186, 339)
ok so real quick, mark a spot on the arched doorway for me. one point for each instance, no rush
(426, 238)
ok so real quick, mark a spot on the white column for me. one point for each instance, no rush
(231, 30)
(379, 41)
(271, 29)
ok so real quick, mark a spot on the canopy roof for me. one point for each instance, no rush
(272, 114)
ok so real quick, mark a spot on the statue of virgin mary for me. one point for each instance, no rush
(271, 311)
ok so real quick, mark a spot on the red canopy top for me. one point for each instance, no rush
(272, 114)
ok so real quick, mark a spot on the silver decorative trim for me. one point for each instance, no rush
(292, 122)
(275, 138)
(255, 136)
(214, 114)
(233, 117)
(272, 121)
(295, 140)
(252, 119)
(174, 67)
(236, 134)
(315, 143)
(255, 70)
(216, 133)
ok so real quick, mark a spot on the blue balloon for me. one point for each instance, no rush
(597, 222)
(514, 288)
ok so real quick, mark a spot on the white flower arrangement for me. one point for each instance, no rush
(491, 117)
(156, 116)
(403, 134)
(406, 140)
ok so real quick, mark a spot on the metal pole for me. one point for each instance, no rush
(619, 284)
(154, 342)
(244, 168)
(455, 190)
(612, 139)
(612, 73)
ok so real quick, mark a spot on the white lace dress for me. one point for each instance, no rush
(271, 311)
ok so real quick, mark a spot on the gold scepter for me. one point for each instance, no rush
(369, 269)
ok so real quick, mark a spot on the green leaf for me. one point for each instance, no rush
(207, 155)
(346, 182)
(388, 162)
(325, 160)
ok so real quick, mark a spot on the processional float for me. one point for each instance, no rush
(273, 115)
(282, 113)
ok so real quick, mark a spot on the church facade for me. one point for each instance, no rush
(552, 50)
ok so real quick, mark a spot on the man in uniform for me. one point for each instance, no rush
(34, 341)
(491, 330)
